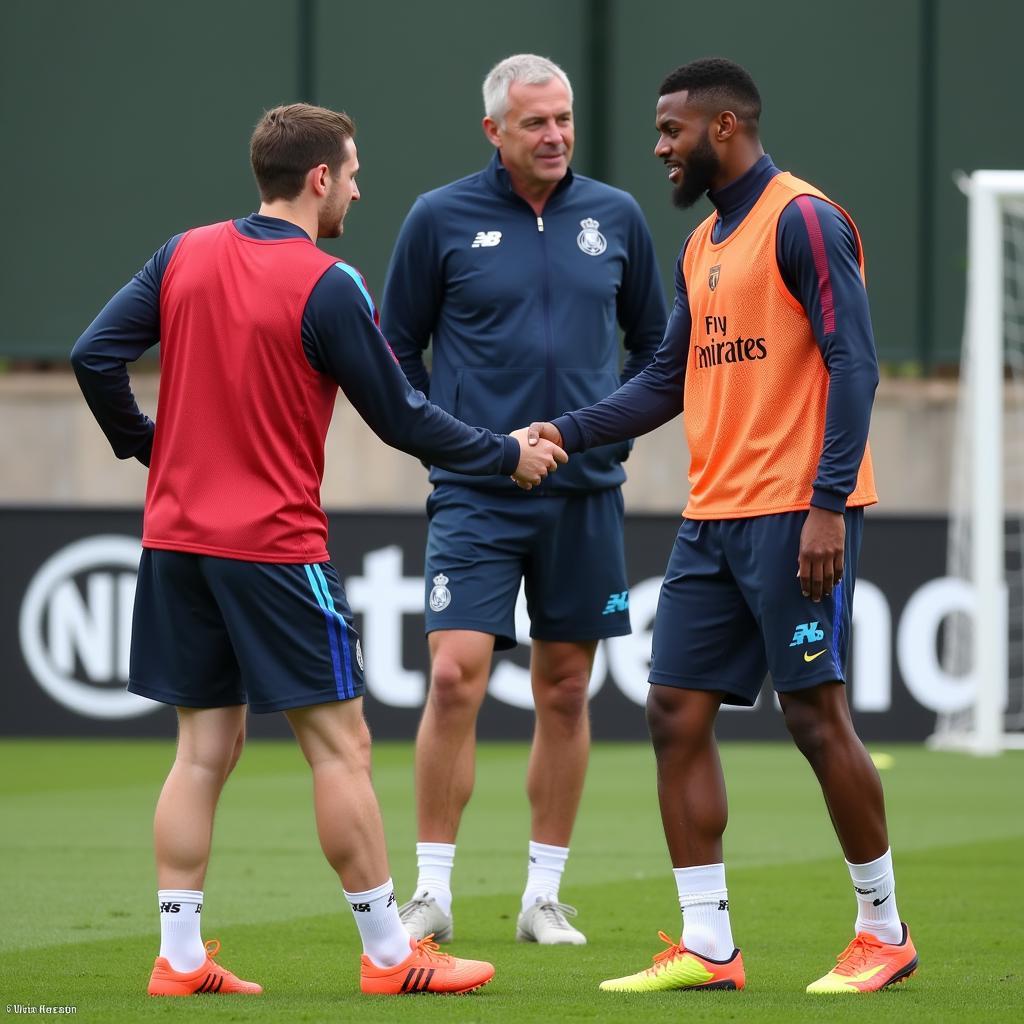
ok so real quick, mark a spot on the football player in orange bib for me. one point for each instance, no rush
(770, 355)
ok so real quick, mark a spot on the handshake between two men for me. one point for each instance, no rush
(540, 453)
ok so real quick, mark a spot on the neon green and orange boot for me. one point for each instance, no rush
(677, 968)
(867, 965)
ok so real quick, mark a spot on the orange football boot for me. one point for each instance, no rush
(868, 964)
(425, 969)
(209, 979)
(676, 967)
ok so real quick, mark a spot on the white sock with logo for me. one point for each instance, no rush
(181, 940)
(875, 886)
(385, 940)
(434, 862)
(704, 901)
(544, 872)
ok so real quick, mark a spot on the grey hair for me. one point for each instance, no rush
(527, 68)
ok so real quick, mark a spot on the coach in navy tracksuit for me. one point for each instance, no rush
(519, 274)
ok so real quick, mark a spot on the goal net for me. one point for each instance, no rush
(984, 645)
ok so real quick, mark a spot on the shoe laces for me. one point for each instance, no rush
(670, 952)
(557, 913)
(212, 947)
(429, 949)
(857, 955)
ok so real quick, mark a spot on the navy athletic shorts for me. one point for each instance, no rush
(215, 632)
(731, 610)
(569, 548)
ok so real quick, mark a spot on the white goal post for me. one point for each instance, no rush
(986, 512)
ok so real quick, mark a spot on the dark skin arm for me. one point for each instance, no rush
(822, 547)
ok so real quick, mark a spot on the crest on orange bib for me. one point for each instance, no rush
(713, 276)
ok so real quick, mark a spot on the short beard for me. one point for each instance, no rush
(698, 172)
(335, 229)
(330, 225)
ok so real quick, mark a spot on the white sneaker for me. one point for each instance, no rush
(422, 917)
(545, 922)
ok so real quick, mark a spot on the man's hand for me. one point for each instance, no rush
(539, 430)
(822, 543)
(537, 458)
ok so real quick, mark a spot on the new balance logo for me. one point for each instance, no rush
(486, 239)
(617, 603)
(807, 633)
(723, 904)
(170, 908)
(361, 908)
(391, 899)
(419, 983)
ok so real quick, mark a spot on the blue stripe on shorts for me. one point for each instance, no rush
(339, 679)
(350, 690)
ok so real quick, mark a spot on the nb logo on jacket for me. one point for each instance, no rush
(486, 239)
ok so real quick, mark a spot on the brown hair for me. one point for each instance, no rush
(290, 140)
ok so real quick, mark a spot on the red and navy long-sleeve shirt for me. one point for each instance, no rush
(340, 342)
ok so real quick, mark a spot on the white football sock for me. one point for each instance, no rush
(435, 862)
(181, 940)
(385, 939)
(544, 872)
(875, 887)
(704, 901)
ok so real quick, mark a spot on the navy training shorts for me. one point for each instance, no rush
(731, 610)
(214, 632)
(569, 548)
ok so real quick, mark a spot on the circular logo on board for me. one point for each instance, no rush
(75, 626)
(440, 596)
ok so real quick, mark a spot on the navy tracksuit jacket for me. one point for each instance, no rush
(524, 310)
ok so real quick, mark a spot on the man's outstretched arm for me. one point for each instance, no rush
(343, 341)
(651, 398)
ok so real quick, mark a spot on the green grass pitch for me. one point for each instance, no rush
(79, 902)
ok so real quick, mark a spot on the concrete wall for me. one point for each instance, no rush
(53, 453)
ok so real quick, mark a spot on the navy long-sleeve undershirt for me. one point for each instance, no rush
(655, 395)
(339, 337)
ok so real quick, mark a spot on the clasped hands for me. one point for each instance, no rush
(540, 453)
